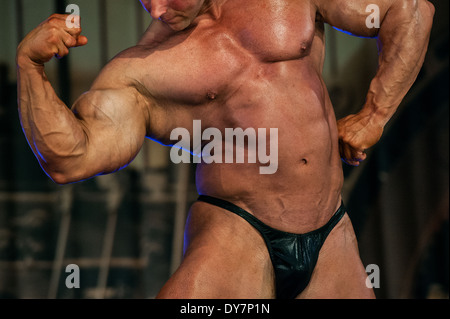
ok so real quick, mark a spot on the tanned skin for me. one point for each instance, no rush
(232, 64)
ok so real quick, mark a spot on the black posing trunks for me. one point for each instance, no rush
(293, 256)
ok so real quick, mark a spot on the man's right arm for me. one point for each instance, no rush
(105, 128)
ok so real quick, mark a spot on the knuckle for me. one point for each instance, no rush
(53, 38)
(53, 30)
(53, 21)
(70, 41)
(53, 34)
(53, 16)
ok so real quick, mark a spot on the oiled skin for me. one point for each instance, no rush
(239, 64)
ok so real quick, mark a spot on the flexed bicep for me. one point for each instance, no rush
(105, 128)
(114, 124)
(361, 18)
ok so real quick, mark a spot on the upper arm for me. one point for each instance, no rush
(114, 117)
(352, 15)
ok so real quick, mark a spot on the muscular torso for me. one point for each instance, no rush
(253, 71)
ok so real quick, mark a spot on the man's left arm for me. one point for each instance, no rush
(403, 37)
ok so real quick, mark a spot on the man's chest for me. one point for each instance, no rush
(272, 30)
(216, 59)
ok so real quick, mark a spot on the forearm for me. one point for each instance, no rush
(403, 39)
(51, 128)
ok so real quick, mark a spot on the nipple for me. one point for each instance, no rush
(211, 95)
(305, 48)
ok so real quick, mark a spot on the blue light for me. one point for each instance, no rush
(349, 33)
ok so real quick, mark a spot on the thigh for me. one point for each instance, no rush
(339, 273)
(225, 258)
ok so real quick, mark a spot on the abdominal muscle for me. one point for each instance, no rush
(305, 191)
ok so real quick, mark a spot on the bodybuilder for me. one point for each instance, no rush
(235, 64)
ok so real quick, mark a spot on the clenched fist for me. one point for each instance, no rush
(357, 133)
(52, 38)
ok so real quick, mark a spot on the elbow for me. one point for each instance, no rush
(424, 13)
(430, 8)
(415, 10)
(64, 176)
(61, 178)
(63, 170)
(412, 17)
(417, 15)
(57, 173)
(427, 11)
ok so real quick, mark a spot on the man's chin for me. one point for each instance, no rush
(179, 26)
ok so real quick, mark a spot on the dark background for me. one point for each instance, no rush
(124, 230)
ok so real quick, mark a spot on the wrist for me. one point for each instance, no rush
(379, 114)
(23, 61)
